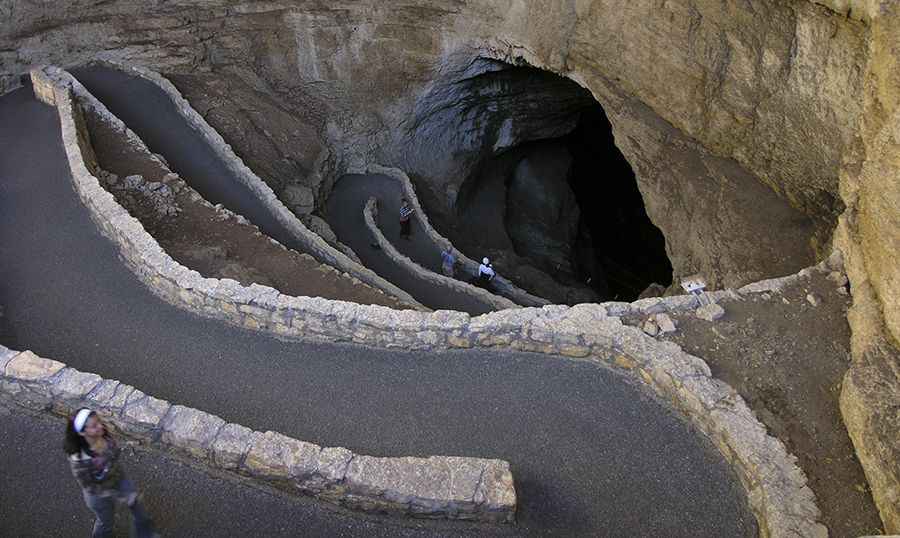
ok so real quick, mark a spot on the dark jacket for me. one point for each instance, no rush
(98, 473)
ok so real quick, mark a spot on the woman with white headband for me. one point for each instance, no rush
(94, 459)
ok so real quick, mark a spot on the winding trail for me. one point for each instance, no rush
(157, 121)
(150, 113)
(593, 454)
(344, 213)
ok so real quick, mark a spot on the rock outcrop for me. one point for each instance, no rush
(751, 126)
(739, 97)
(541, 212)
(869, 236)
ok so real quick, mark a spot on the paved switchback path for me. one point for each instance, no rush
(592, 454)
(149, 112)
(345, 216)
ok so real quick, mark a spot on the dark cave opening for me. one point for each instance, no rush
(617, 245)
(547, 194)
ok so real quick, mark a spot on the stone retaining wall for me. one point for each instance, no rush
(776, 487)
(416, 271)
(433, 487)
(310, 241)
(94, 110)
(503, 286)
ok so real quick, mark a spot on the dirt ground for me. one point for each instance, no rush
(787, 357)
(213, 242)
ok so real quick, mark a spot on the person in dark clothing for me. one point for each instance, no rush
(406, 212)
(94, 460)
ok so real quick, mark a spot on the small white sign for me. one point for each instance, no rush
(693, 284)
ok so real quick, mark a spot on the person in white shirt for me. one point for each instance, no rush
(486, 273)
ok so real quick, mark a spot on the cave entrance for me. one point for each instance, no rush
(618, 247)
(572, 214)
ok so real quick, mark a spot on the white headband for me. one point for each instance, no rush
(81, 418)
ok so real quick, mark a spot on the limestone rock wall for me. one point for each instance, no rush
(771, 85)
(798, 95)
(869, 236)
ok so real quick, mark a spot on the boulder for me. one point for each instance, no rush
(870, 399)
(710, 312)
(665, 323)
(653, 290)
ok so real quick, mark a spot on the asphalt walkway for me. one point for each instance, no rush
(159, 124)
(344, 213)
(39, 497)
(593, 454)
(152, 115)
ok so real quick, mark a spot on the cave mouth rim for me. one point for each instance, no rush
(515, 76)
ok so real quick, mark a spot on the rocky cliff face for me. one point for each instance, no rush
(751, 125)
(869, 236)
(741, 94)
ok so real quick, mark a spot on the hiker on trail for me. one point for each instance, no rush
(406, 212)
(486, 273)
(94, 459)
(448, 260)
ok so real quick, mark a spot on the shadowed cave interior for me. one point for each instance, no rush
(564, 207)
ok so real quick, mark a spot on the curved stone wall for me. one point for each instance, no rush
(437, 486)
(312, 243)
(502, 285)
(776, 488)
(97, 111)
(416, 271)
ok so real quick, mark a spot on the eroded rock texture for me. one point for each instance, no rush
(542, 213)
(751, 125)
(735, 95)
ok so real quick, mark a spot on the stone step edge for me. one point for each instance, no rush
(312, 242)
(440, 487)
(776, 487)
(370, 216)
(503, 286)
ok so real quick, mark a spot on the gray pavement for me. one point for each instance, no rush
(149, 112)
(159, 124)
(39, 497)
(592, 453)
(344, 213)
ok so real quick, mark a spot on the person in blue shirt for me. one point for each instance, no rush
(448, 261)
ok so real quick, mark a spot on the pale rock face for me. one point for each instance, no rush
(750, 125)
(708, 103)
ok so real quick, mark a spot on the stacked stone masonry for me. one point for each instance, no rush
(311, 242)
(88, 104)
(416, 271)
(776, 487)
(434, 487)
